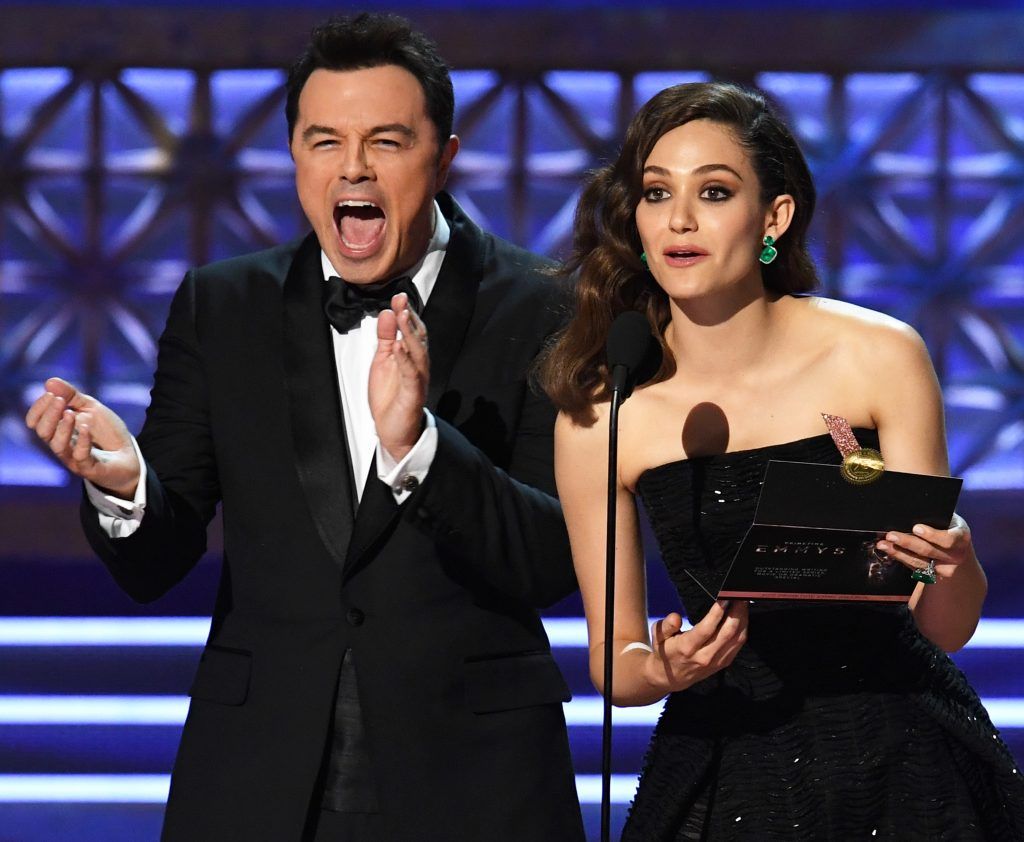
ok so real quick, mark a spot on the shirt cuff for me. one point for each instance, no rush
(120, 518)
(404, 477)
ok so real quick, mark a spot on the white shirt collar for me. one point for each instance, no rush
(424, 273)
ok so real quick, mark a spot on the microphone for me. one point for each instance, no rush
(634, 356)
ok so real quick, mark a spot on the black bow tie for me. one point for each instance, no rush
(345, 303)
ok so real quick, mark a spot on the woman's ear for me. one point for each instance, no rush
(779, 215)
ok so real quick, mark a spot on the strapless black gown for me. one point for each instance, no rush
(834, 722)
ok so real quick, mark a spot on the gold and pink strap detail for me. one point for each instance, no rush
(861, 465)
(842, 434)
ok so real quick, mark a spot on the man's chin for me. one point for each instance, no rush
(361, 269)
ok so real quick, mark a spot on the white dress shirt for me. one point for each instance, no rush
(353, 353)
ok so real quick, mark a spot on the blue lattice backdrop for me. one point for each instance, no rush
(113, 183)
(111, 187)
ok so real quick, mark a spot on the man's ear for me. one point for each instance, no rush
(444, 162)
(779, 215)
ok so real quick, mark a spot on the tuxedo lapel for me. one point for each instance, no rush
(318, 427)
(450, 306)
(377, 512)
(447, 315)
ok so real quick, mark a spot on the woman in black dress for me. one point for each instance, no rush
(817, 721)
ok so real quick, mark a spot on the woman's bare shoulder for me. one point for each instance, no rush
(839, 313)
(571, 431)
(866, 336)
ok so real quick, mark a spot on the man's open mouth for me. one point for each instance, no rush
(360, 224)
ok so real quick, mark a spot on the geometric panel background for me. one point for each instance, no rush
(113, 183)
(137, 144)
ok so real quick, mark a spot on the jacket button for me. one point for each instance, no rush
(355, 617)
(410, 483)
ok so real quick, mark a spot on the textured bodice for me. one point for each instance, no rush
(701, 508)
(834, 721)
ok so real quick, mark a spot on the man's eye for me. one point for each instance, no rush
(387, 143)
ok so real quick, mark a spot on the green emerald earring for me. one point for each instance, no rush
(643, 259)
(769, 252)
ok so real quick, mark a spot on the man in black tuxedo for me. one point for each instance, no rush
(376, 668)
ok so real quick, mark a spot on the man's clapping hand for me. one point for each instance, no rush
(399, 376)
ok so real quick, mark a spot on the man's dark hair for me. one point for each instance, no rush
(374, 40)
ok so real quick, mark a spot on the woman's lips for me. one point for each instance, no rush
(683, 257)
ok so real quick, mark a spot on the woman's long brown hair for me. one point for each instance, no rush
(605, 261)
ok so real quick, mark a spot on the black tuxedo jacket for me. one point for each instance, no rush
(436, 599)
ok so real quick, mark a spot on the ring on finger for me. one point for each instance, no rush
(925, 574)
(74, 437)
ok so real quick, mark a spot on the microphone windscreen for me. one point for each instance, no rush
(634, 356)
(628, 340)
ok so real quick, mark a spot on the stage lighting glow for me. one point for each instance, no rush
(589, 710)
(171, 710)
(94, 789)
(998, 634)
(152, 789)
(623, 788)
(93, 710)
(1005, 713)
(563, 632)
(103, 631)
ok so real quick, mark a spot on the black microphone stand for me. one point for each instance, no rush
(619, 387)
(633, 358)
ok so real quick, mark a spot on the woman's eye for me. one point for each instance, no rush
(716, 193)
(655, 194)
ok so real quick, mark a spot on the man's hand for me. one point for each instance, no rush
(88, 438)
(399, 375)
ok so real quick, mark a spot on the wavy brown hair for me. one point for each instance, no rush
(605, 260)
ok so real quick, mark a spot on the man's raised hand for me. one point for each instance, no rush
(89, 439)
(399, 376)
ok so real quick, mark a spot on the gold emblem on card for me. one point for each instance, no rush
(863, 466)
